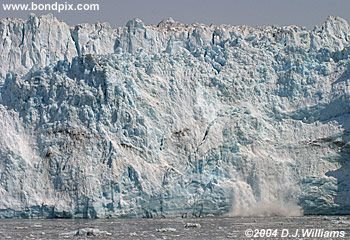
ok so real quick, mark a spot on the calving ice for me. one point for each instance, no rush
(313, 233)
(173, 119)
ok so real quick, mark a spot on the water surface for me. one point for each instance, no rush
(200, 228)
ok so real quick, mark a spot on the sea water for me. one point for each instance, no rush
(212, 228)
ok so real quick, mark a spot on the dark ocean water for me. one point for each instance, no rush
(319, 227)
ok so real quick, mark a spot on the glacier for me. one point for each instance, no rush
(173, 119)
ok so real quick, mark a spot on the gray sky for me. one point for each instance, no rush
(235, 12)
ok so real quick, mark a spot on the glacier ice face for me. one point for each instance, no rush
(36, 42)
(173, 119)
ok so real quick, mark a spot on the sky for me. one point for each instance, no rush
(236, 12)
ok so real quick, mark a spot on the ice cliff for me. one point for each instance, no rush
(173, 119)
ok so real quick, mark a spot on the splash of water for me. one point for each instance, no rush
(269, 209)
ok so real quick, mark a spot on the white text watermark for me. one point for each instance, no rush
(304, 233)
(54, 7)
